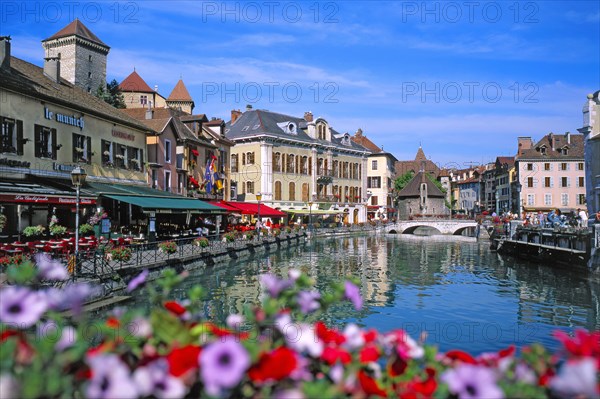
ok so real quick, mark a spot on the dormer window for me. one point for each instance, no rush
(565, 150)
(321, 132)
(346, 139)
(288, 127)
(543, 150)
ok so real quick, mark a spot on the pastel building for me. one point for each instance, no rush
(551, 173)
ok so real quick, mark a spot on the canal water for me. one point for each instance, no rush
(462, 295)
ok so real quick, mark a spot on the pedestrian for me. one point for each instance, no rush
(583, 217)
(478, 229)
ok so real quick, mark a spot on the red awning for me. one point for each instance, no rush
(195, 152)
(251, 208)
(223, 204)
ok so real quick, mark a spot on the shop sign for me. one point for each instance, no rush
(14, 163)
(63, 168)
(44, 199)
(66, 119)
(123, 135)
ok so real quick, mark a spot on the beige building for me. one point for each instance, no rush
(591, 132)
(297, 164)
(381, 175)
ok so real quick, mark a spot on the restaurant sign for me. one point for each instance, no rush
(45, 199)
(15, 163)
(72, 120)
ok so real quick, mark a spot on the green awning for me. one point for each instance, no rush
(168, 205)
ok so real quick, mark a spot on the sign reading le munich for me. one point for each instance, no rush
(68, 120)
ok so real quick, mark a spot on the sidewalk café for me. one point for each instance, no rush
(325, 216)
(245, 209)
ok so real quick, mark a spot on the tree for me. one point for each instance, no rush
(402, 181)
(437, 183)
(111, 94)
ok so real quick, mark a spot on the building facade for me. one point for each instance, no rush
(551, 174)
(591, 132)
(297, 163)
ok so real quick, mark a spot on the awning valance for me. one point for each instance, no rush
(168, 205)
(315, 212)
(251, 208)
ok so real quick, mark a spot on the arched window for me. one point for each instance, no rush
(234, 163)
(310, 172)
(249, 158)
(320, 166)
(278, 191)
(304, 165)
(321, 135)
(292, 191)
(276, 162)
(305, 192)
(290, 164)
(336, 169)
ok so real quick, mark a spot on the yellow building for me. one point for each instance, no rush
(297, 164)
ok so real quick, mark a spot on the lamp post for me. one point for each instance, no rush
(310, 204)
(497, 202)
(519, 187)
(258, 198)
(78, 176)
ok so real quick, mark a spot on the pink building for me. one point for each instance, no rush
(551, 173)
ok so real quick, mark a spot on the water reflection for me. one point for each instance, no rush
(453, 288)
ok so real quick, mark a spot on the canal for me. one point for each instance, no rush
(453, 288)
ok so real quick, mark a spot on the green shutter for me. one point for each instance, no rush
(19, 137)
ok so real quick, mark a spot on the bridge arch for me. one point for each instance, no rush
(411, 229)
(459, 231)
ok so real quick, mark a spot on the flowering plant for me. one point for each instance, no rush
(229, 237)
(201, 242)
(106, 153)
(275, 232)
(168, 247)
(57, 229)
(2, 221)
(174, 352)
(86, 228)
(97, 217)
(79, 149)
(31, 231)
(120, 156)
(121, 253)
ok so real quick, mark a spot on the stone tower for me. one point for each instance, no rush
(180, 98)
(82, 55)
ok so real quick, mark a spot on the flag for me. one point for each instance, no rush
(218, 181)
(208, 176)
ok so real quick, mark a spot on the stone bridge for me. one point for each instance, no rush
(450, 227)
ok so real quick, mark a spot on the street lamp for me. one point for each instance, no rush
(518, 186)
(310, 204)
(497, 202)
(258, 198)
(78, 176)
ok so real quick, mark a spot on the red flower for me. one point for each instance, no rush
(328, 336)
(369, 385)
(369, 353)
(584, 344)
(276, 365)
(112, 322)
(397, 367)
(418, 388)
(458, 355)
(175, 308)
(331, 355)
(370, 336)
(182, 360)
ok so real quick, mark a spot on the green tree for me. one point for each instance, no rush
(437, 183)
(402, 181)
(111, 94)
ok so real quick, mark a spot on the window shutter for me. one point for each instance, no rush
(551, 181)
(19, 126)
(38, 141)
(89, 150)
(141, 158)
(54, 149)
(568, 181)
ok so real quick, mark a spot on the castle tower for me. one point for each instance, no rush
(180, 98)
(82, 55)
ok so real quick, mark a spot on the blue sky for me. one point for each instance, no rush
(464, 79)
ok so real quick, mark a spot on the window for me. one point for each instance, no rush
(82, 148)
(543, 150)
(564, 182)
(45, 142)
(277, 191)
(374, 165)
(579, 165)
(234, 163)
(374, 182)
(121, 156)
(547, 182)
(249, 187)
(89, 58)
(107, 153)
(144, 100)
(179, 183)
(580, 199)
(167, 151)
(321, 132)
(89, 75)
(564, 166)
(529, 166)
(581, 181)
(248, 158)
(167, 180)
(547, 166)
(530, 182)
(136, 158)
(530, 199)
(154, 178)
(548, 199)
(11, 136)
(276, 162)
(374, 200)
(564, 199)
(292, 191)
(290, 164)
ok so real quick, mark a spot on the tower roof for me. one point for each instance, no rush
(413, 188)
(420, 155)
(76, 28)
(135, 83)
(180, 93)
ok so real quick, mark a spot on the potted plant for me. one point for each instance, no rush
(57, 230)
(168, 247)
(86, 229)
(33, 231)
(121, 254)
(229, 237)
(2, 222)
(201, 242)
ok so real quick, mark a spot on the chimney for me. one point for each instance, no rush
(358, 133)
(156, 88)
(248, 107)
(525, 143)
(4, 51)
(235, 115)
(568, 137)
(308, 116)
(551, 140)
(52, 68)
(149, 110)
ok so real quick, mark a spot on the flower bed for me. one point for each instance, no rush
(270, 351)
(121, 254)
(168, 247)
(201, 242)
